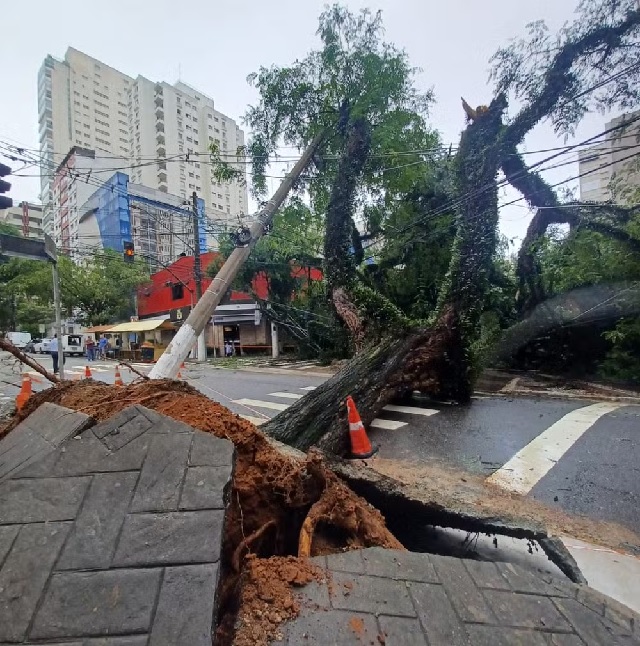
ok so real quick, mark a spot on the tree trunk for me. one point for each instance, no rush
(340, 261)
(583, 305)
(425, 360)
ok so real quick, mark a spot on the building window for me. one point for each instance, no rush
(177, 291)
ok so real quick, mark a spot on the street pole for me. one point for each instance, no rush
(275, 350)
(58, 307)
(169, 363)
(197, 270)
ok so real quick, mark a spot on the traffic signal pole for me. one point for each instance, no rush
(177, 351)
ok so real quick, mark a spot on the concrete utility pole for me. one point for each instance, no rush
(58, 308)
(197, 270)
(170, 361)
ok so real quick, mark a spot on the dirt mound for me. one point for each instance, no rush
(271, 495)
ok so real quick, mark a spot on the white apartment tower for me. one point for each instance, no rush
(184, 124)
(163, 132)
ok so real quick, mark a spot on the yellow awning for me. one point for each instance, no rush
(141, 326)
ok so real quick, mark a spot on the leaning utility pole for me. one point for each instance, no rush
(170, 361)
(197, 270)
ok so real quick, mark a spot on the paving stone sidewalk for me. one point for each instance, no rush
(113, 537)
(378, 596)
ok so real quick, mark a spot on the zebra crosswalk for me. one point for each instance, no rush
(292, 397)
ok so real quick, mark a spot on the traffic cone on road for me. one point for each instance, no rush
(118, 381)
(25, 392)
(360, 444)
(87, 372)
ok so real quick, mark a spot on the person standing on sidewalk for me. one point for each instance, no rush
(90, 347)
(53, 351)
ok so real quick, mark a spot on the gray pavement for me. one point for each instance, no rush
(113, 536)
(378, 596)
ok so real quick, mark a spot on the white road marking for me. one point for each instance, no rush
(258, 403)
(411, 410)
(254, 420)
(309, 388)
(388, 424)
(286, 395)
(534, 461)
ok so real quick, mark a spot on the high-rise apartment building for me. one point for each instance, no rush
(157, 133)
(615, 157)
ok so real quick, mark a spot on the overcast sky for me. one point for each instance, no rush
(214, 46)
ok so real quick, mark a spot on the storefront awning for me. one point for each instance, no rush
(99, 328)
(142, 326)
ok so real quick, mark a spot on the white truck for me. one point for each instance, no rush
(19, 339)
(73, 344)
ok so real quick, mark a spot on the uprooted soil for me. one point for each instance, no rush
(271, 497)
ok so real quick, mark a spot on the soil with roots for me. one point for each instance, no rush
(271, 497)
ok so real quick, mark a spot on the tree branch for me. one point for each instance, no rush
(558, 78)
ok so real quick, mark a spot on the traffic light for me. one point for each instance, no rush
(5, 202)
(129, 253)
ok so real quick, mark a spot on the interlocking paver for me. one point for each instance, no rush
(174, 537)
(74, 603)
(500, 636)
(337, 628)
(8, 534)
(41, 500)
(162, 473)
(25, 573)
(402, 631)
(490, 611)
(210, 451)
(205, 488)
(437, 615)
(526, 611)
(372, 594)
(521, 580)
(83, 559)
(465, 597)
(92, 542)
(407, 566)
(486, 575)
(187, 588)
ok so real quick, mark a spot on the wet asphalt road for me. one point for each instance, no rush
(598, 476)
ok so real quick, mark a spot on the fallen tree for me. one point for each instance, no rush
(437, 356)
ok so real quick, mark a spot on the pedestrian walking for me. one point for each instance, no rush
(90, 347)
(228, 349)
(53, 350)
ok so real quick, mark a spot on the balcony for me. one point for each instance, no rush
(159, 113)
(158, 100)
(162, 151)
(160, 139)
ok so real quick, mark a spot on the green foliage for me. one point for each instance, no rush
(602, 46)
(581, 258)
(223, 170)
(622, 362)
(354, 74)
(98, 291)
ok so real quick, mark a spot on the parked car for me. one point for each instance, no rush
(19, 339)
(31, 346)
(42, 346)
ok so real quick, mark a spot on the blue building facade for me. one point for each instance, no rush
(124, 212)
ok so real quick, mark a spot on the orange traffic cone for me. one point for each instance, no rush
(25, 392)
(118, 381)
(360, 445)
(87, 372)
